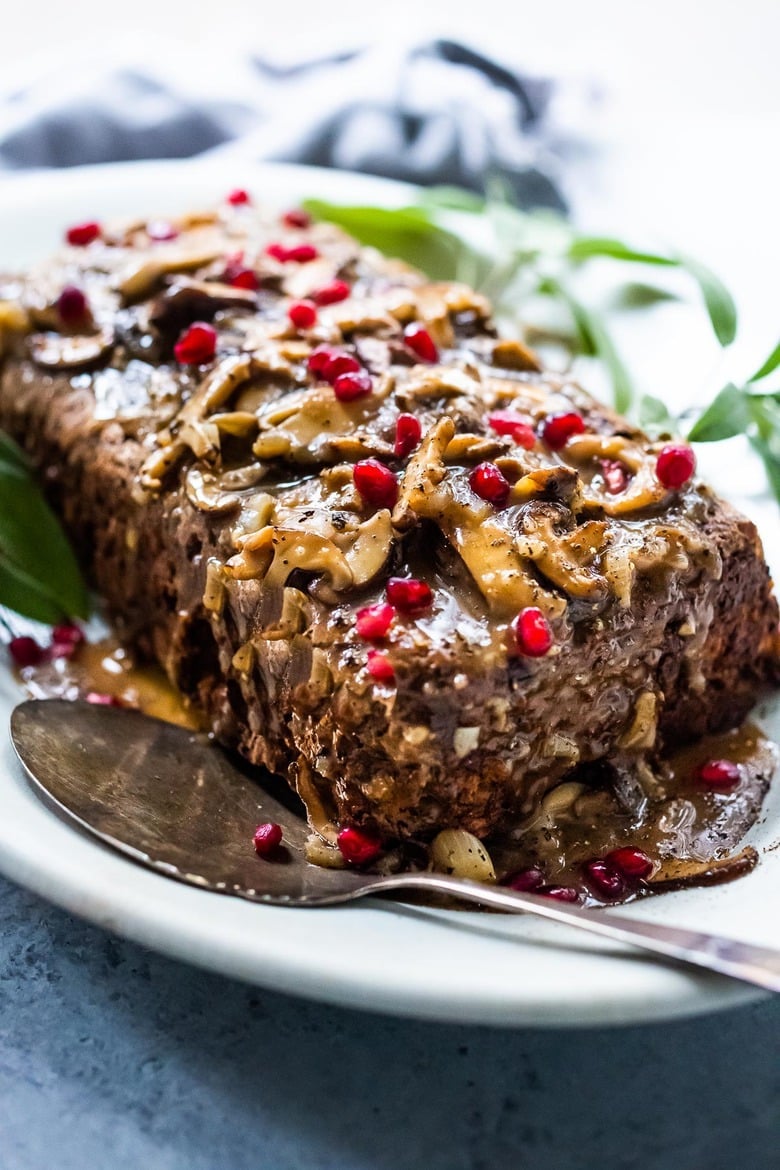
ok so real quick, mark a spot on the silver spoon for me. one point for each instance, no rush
(169, 799)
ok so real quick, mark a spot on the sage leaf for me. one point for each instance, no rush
(653, 413)
(39, 570)
(717, 299)
(587, 247)
(771, 364)
(726, 416)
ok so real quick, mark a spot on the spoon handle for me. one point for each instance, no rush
(741, 960)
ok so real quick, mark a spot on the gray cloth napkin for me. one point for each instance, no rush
(435, 112)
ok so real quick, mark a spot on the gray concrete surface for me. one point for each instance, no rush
(113, 1058)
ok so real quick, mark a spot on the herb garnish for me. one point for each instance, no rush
(39, 577)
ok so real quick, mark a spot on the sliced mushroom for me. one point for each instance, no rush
(493, 554)
(186, 301)
(312, 426)
(273, 553)
(512, 354)
(55, 351)
(568, 559)
(643, 490)
(145, 271)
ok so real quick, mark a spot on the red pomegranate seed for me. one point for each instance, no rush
(380, 667)
(506, 422)
(604, 880)
(719, 774)
(376, 483)
(160, 230)
(25, 651)
(331, 294)
(72, 306)
(101, 699)
(373, 621)
(65, 640)
(267, 839)
(82, 234)
(357, 846)
(559, 893)
(409, 595)
(239, 197)
(244, 278)
(631, 862)
(320, 358)
(341, 363)
(421, 343)
(675, 465)
(303, 314)
(348, 387)
(330, 363)
(489, 483)
(533, 636)
(559, 428)
(525, 880)
(302, 253)
(278, 252)
(296, 217)
(196, 345)
(615, 475)
(408, 432)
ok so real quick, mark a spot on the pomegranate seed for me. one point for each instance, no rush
(533, 636)
(559, 428)
(506, 422)
(631, 862)
(196, 345)
(296, 217)
(373, 621)
(244, 278)
(421, 343)
(380, 667)
(72, 306)
(719, 774)
(604, 880)
(357, 846)
(375, 482)
(82, 234)
(239, 197)
(278, 252)
(490, 484)
(320, 358)
(675, 465)
(408, 432)
(303, 314)
(302, 253)
(559, 893)
(348, 387)
(160, 230)
(331, 294)
(409, 595)
(615, 476)
(101, 699)
(65, 640)
(330, 363)
(341, 363)
(25, 651)
(525, 880)
(267, 839)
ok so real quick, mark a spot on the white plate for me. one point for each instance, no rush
(436, 964)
